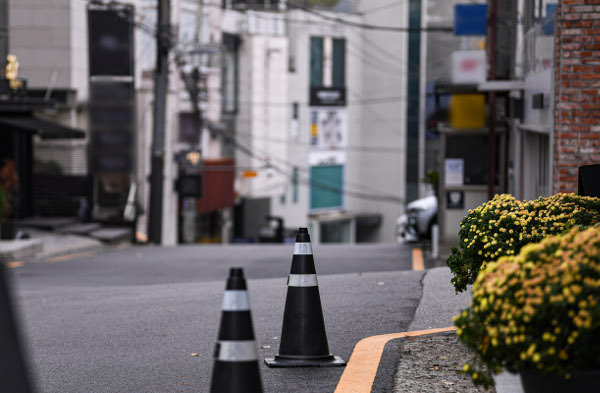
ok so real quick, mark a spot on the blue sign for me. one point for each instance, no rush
(548, 22)
(470, 19)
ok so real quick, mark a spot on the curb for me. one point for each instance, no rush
(360, 373)
(12, 250)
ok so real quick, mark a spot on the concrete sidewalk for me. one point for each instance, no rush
(439, 304)
(45, 244)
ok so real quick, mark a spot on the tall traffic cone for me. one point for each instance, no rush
(236, 359)
(303, 337)
(13, 375)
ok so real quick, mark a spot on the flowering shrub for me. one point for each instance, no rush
(537, 310)
(503, 225)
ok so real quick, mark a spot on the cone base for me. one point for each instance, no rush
(278, 361)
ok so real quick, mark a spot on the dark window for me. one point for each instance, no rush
(295, 185)
(229, 74)
(316, 61)
(339, 62)
(188, 128)
(3, 33)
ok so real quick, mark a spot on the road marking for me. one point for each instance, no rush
(14, 264)
(360, 372)
(68, 257)
(417, 259)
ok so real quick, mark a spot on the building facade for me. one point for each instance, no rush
(51, 41)
(576, 128)
(320, 117)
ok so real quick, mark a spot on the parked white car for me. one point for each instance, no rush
(416, 223)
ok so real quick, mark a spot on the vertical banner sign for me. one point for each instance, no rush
(328, 140)
(112, 105)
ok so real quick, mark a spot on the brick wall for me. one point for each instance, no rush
(577, 90)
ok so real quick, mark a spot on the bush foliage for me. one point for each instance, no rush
(538, 310)
(504, 225)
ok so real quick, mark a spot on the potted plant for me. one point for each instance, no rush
(538, 313)
(9, 182)
(504, 225)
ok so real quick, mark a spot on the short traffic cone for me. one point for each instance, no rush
(303, 337)
(236, 359)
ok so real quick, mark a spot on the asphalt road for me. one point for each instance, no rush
(129, 320)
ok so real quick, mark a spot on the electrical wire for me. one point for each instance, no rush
(382, 7)
(167, 36)
(367, 26)
(373, 149)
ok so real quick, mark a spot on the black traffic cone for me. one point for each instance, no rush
(303, 337)
(236, 359)
(13, 370)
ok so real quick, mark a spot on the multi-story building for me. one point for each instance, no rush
(320, 117)
(524, 88)
(51, 41)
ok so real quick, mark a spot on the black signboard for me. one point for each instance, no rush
(189, 186)
(110, 40)
(455, 200)
(537, 101)
(112, 126)
(327, 96)
(588, 183)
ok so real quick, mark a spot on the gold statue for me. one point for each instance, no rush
(12, 71)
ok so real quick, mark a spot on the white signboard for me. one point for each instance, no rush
(454, 169)
(328, 127)
(469, 66)
(324, 157)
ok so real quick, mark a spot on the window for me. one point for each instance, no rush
(326, 186)
(147, 49)
(229, 74)
(316, 61)
(327, 62)
(339, 62)
(295, 185)
(189, 130)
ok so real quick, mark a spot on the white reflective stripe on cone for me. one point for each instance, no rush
(235, 300)
(302, 280)
(236, 351)
(302, 249)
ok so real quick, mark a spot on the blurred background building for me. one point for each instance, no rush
(327, 114)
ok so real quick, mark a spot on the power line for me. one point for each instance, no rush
(168, 37)
(367, 26)
(383, 7)
(373, 149)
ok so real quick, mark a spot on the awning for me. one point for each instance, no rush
(46, 129)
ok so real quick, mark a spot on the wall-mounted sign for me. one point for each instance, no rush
(469, 66)
(455, 200)
(327, 96)
(190, 161)
(470, 19)
(328, 128)
(467, 111)
(324, 157)
(454, 169)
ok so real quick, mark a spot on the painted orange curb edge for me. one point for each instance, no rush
(359, 375)
(417, 259)
(68, 257)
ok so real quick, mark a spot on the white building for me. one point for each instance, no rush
(321, 108)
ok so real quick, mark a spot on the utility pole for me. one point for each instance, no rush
(161, 85)
(492, 30)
